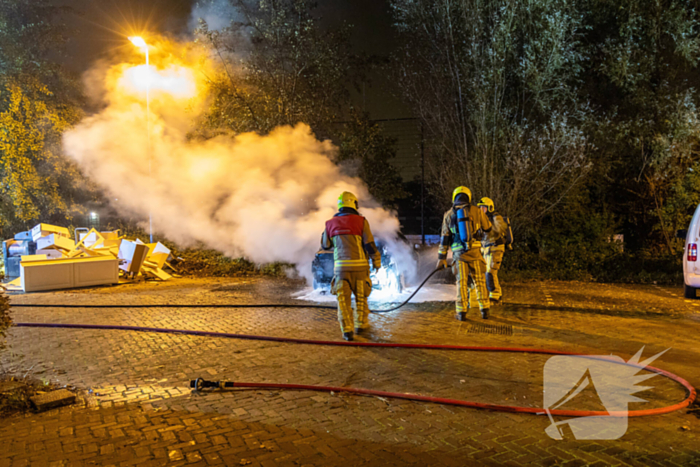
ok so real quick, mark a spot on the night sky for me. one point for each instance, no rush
(104, 25)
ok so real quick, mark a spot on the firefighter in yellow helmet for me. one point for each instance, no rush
(349, 235)
(459, 228)
(493, 246)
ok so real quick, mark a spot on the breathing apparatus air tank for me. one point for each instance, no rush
(464, 226)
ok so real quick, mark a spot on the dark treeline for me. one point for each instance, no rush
(577, 117)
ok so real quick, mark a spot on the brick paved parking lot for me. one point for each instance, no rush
(136, 407)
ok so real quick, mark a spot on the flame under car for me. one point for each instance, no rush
(388, 277)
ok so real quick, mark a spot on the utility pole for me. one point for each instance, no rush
(141, 44)
(422, 185)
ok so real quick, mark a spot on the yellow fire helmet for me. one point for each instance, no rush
(347, 200)
(462, 189)
(488, 202)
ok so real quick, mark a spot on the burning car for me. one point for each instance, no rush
(388, 277)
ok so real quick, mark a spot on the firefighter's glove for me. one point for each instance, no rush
(441, 264)
(376, 267)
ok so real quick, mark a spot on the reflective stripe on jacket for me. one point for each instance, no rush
(353, 245)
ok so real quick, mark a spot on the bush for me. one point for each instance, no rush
(642, 267)
(578, 245)
(202, 261)
(205, 262)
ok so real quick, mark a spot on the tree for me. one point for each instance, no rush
(642, 77)
(495, 85)
(362, 142)
(38, 102)
(278, 68)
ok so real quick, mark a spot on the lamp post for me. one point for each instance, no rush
(141, 44)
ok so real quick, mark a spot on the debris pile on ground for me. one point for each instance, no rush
(47, 258)
(16, 394)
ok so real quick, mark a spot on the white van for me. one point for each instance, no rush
(691, 265)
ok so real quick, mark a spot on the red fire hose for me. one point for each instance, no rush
(397, 395)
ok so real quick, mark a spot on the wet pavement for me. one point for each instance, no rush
(136, 407)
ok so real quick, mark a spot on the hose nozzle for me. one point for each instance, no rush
(201, 383)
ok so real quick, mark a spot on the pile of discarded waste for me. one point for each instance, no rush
(47, 258)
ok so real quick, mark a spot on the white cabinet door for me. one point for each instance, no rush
(68, 273)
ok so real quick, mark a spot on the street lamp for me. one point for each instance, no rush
(141, 44)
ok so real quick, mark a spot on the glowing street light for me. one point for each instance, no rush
(141, 44)
(138, 42)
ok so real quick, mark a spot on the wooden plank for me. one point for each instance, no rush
(55, 241)
(133, 254)
(156, 272)
(43, 230)
(158, 253)
(51, 253)
(53, 399)
(91, 239)
(33, 257)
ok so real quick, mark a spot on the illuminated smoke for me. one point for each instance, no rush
(262, 197)
(218, 14)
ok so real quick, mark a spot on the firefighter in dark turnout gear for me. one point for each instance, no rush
(468, 263)
(493, 246)
(349, 235)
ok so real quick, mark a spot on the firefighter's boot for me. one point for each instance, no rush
(348, 336)
(484, 313)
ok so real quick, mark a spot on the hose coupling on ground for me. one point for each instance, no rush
(201, 383)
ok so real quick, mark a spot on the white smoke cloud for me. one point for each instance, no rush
(218, 14)
(263, 197)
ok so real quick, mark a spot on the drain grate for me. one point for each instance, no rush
(503, 329)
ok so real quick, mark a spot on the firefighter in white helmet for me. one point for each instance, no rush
(459, 228)
(493, 246)
(349, 235)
